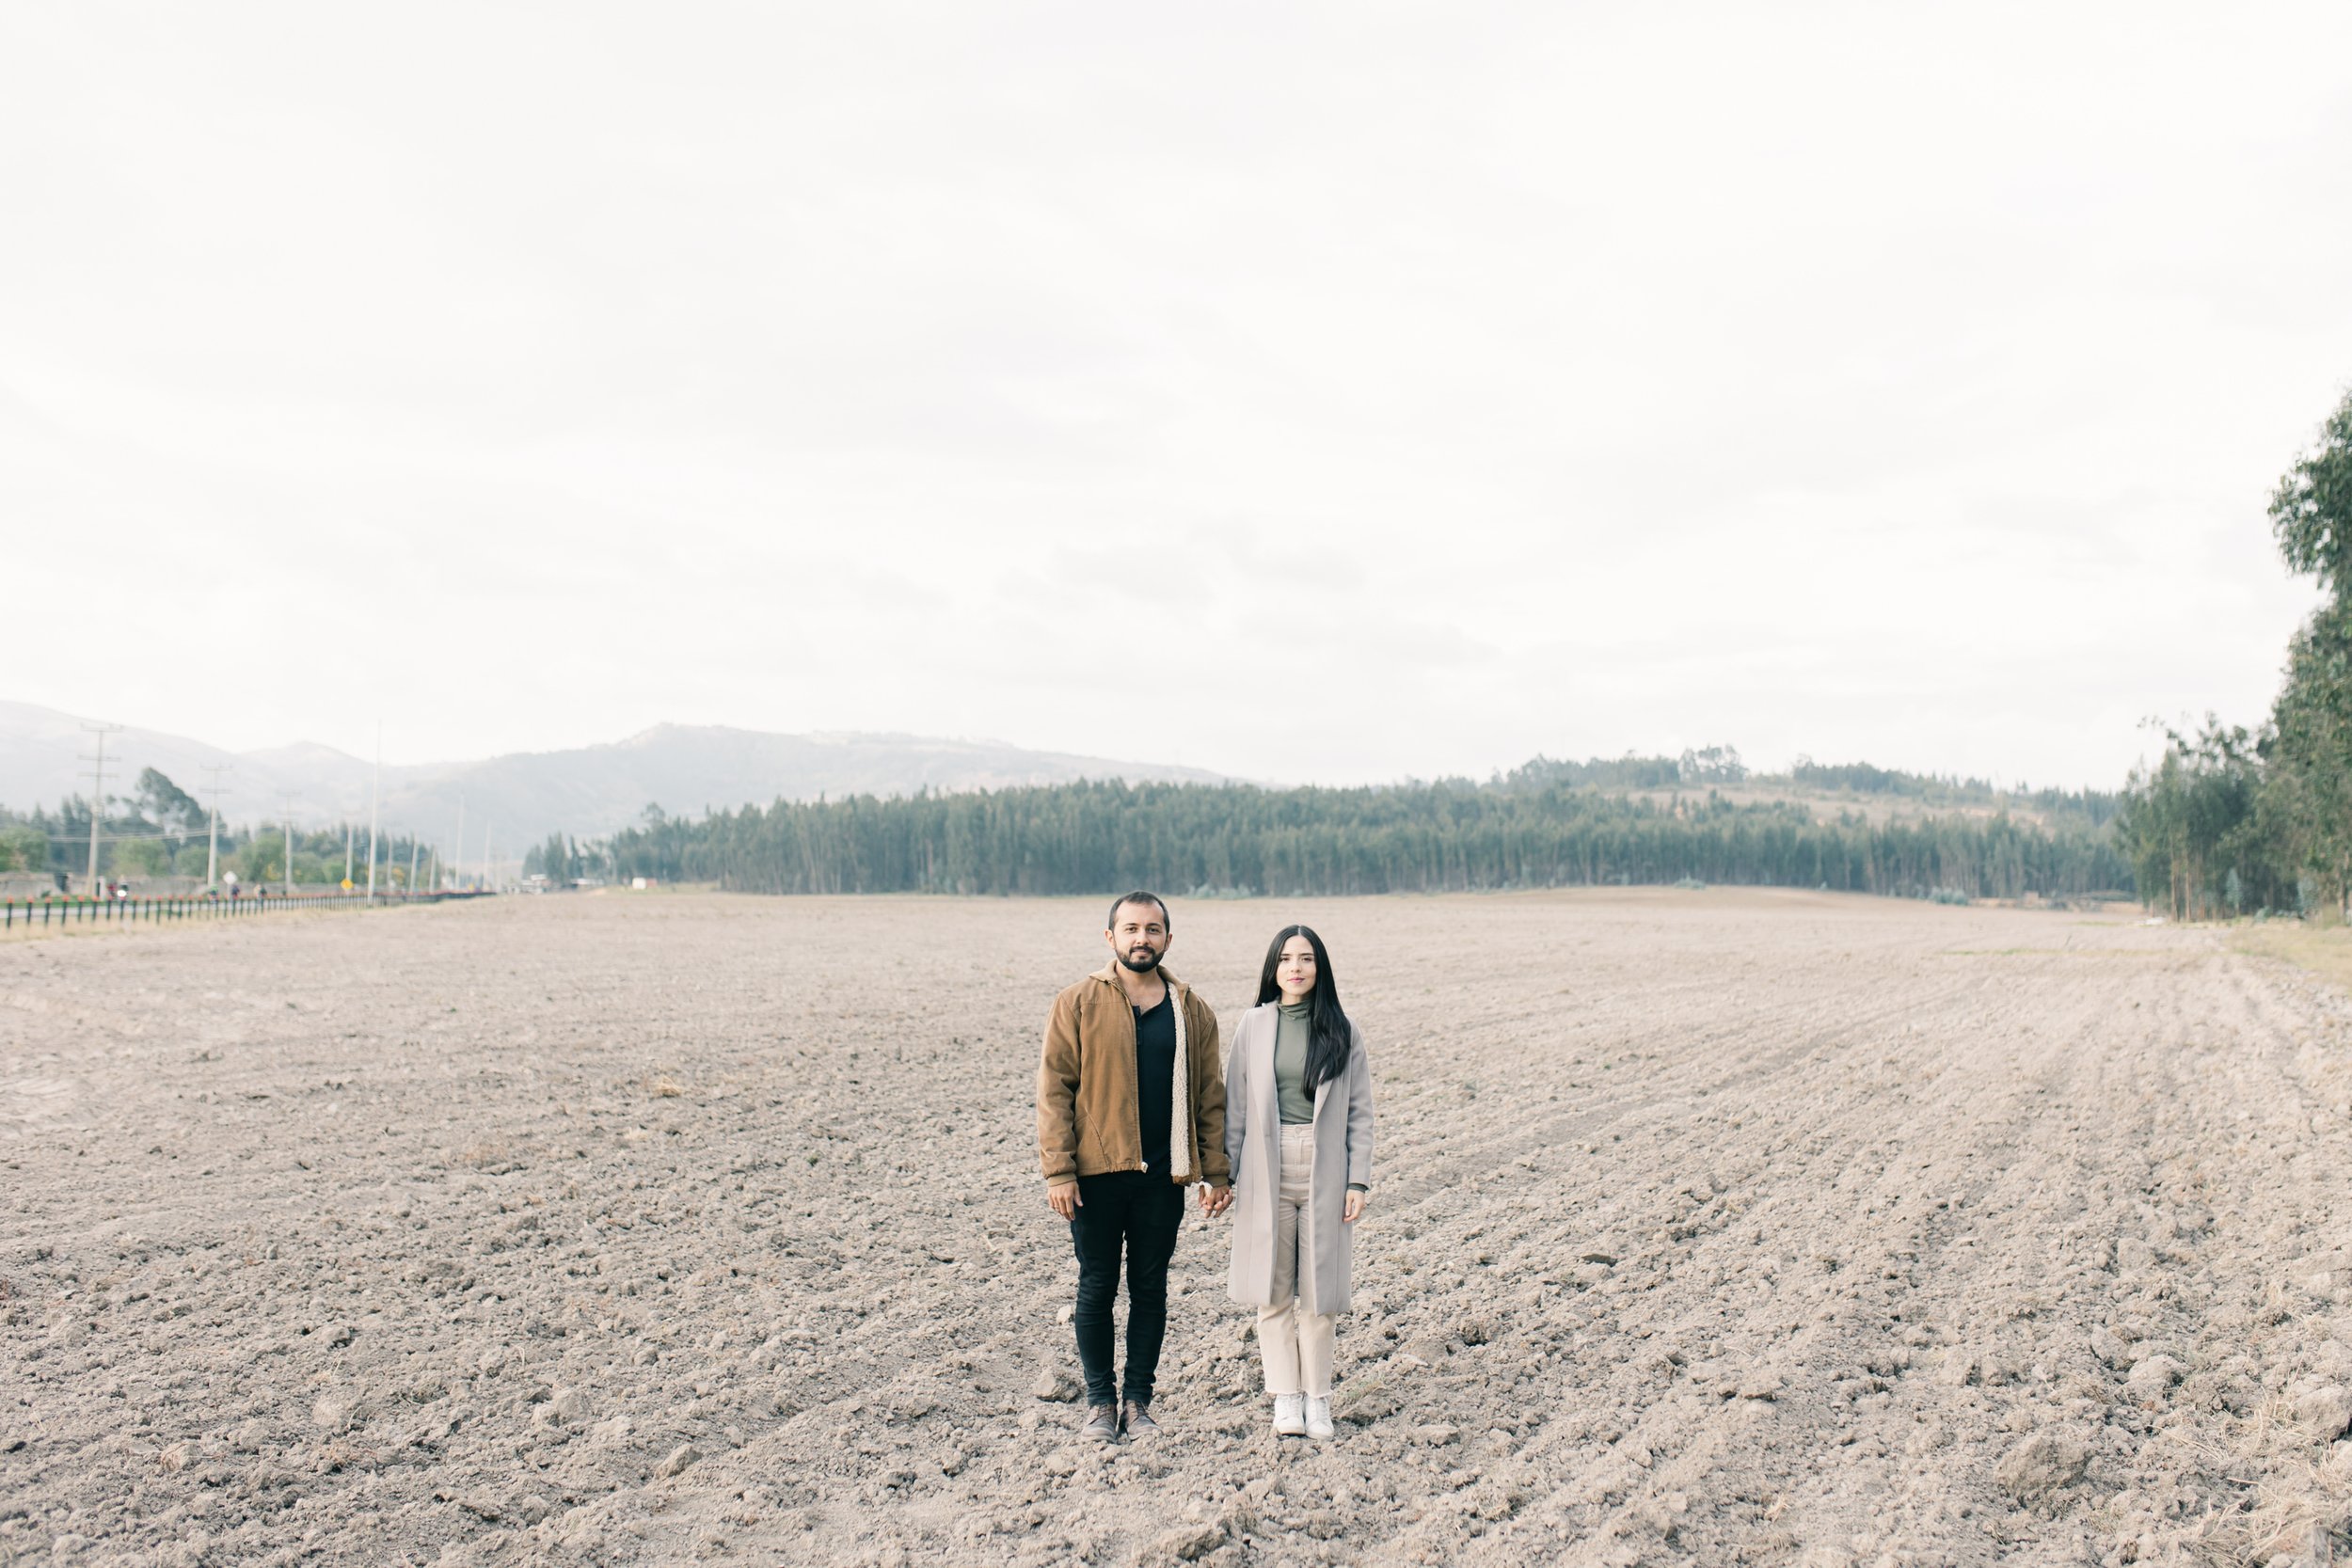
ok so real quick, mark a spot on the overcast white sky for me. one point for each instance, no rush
(1322, 394)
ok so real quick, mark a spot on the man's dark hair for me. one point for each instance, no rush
(1139, 897)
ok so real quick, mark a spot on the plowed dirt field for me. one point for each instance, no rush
(1710, 1227)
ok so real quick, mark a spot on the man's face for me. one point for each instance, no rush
(1139, 934)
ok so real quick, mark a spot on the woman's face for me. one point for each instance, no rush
(1294, 970)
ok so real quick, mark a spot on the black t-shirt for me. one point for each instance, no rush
(1155, 1073)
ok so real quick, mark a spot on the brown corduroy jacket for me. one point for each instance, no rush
(1086, 1086)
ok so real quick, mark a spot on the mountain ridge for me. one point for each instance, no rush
(522, 797)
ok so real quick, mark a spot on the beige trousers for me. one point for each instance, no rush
(1295, 1342)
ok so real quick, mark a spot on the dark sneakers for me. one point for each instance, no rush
(1139, 1422)
(1101, 1423)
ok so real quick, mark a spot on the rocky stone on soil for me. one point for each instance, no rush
(2038, 1469)
(2323, 1411)
(1186, 1544)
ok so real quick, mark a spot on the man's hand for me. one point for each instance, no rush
(1064, 1201)
(1214, 1200)
(1355, 1208)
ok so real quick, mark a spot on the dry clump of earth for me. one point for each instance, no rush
(1710, 1227)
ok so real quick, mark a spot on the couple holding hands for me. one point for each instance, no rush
(1133, 1104)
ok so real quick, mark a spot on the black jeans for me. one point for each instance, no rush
(1137, 1213)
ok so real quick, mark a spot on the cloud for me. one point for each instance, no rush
(1546, 380)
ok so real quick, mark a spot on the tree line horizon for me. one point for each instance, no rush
(1548, 823)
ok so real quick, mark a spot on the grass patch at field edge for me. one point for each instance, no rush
(2323, 951)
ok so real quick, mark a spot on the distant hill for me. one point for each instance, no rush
(525, 796)
(1826, 791)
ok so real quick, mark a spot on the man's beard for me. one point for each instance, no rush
(1143, 965)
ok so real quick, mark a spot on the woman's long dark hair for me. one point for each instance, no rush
(1329, 1037)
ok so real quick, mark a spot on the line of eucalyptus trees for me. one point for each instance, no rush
(2228, 820)
(1096, 837)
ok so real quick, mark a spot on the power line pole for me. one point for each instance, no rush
(489, 875)
(97, 796)
(459, 869)
(211, 858)
(413, 847)
(285, 810)
(375, 791)
(346, 853)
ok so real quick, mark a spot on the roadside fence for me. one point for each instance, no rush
(68, 911)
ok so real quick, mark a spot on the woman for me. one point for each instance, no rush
(1299, 1132)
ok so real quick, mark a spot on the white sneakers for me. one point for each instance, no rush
(1303, 1415)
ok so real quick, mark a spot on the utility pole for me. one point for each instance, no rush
(490, 874)
(285, 811)
(211, 858)
(413, 847)
(346, 853)
(97, 796)
(375, 792)
(459, 869)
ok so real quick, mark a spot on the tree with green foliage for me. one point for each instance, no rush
(260, 860)
(165, 804)
(2193, 827)
(558, 860)
(2226, 822)
(23, 848)
(2310, 749)
(2311, 512)
(142, 857)
(1712, 765)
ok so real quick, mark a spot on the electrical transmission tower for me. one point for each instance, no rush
(97, 760)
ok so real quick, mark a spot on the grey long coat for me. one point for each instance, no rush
(1253, 1142)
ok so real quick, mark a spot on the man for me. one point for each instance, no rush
(1130, 1111)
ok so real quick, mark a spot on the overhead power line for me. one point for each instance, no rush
(212, 855)
(97, 794)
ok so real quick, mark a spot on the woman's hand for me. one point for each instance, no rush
(1355, 1207)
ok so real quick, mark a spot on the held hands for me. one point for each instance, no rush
(1355, 1207)
(1064, 1201)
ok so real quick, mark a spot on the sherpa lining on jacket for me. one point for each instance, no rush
(1180, 1100)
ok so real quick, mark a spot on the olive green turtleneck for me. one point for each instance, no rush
(1290, 1034)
